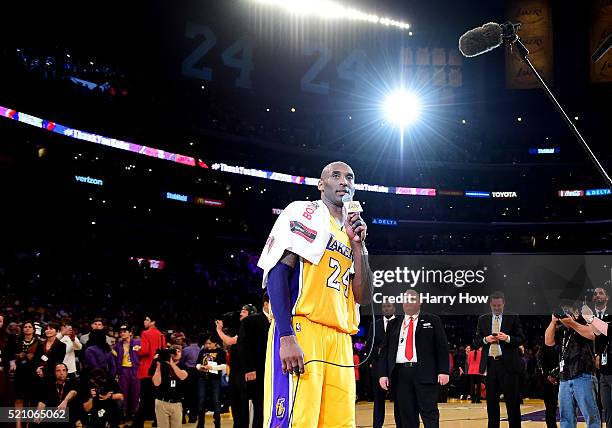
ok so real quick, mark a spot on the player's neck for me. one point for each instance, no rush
(336, 211)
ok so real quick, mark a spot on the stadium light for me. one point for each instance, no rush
(331, 10)
(402, 108)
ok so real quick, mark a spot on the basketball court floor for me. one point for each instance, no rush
(454, 414)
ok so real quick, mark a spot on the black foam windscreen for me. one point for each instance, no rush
(481, 39)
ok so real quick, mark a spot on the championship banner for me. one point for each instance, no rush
(535, 17)
(601, 27)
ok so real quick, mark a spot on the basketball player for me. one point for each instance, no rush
(316, 270)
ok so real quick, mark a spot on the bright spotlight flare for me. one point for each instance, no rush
(331, 10)
(402, 108)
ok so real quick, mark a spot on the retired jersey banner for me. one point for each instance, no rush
(535, 17)
(601, 27)
(437, 67)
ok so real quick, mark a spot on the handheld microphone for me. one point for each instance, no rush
(602, 49)
(486, 38)
(350, 205)
(353, 207)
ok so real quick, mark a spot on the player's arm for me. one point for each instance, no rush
(362, 281)
(279, 277)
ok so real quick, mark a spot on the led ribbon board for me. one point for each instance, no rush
(240, 170)
(95, 138)
(384, 221)
(477, 194)
(311, 181)
(597, 192)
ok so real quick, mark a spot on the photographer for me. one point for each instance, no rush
(577, 382)
(238, 391)
(169, 381)
(103, 400)
(59, 394)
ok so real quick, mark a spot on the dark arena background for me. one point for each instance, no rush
(146, 150)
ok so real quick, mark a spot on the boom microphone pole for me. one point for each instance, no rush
(491, 35)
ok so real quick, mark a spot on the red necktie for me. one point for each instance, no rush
(409, 339)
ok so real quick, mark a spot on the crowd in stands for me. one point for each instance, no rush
(84, 74)
(95, 324)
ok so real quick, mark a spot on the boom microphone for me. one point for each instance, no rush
(480, 40)
(486, 38)
(602, 49)
(491, 35)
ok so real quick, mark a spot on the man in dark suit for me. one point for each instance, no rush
(500, 334)
(379, 328)
(252, 342)
(414, 360)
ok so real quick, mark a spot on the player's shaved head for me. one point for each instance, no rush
(337, 179)
(327, 170)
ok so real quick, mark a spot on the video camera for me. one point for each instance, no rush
(100, 383)
(164, 354)
(103, 389)
(564, 310)
(560, 315)
(231, 321)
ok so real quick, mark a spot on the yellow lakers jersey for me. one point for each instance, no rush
(324, 291)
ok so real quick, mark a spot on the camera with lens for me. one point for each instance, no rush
(102, 389)
(99, 383)
(231, 321)
(164, 354)
(564, 310)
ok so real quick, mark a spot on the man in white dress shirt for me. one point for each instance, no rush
(413, 363)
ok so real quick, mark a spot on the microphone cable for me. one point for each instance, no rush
(353, 366)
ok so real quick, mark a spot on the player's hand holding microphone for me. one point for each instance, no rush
(356, 229)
